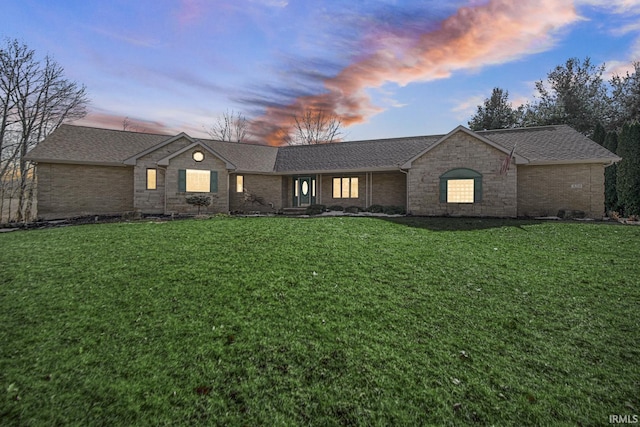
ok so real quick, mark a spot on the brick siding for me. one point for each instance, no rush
(75, 190)
(166, 198)
(544, 190)
(268, 188)
(462, 151)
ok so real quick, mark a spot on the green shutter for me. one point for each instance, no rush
(477, 190)
(182, 180)
(214, 182)
(443, 190)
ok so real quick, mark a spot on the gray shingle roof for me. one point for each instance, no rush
(548, 144)
(246, 157)
(80, 144)
(354, 155)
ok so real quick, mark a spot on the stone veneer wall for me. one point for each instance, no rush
(176, 201)
(66, 190)
(544, 190)
(153, 201)
(462, 150)
(268, 187)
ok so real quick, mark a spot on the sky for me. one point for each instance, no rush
(386, 68)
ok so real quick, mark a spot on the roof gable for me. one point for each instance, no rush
(165, 161)
(133, 159)
(519, 159)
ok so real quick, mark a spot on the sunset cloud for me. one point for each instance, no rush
(113, 121)
(477, 36)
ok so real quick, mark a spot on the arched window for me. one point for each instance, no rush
(461, 186)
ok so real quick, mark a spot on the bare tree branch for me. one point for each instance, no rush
(231, 126)
(316, 126)
(35, 99)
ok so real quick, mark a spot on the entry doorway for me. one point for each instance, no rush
(304, 190)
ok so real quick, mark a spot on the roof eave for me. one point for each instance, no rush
(76, 162)
(601, 160)
(336, 171)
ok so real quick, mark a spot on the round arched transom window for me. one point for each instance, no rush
(198, 156)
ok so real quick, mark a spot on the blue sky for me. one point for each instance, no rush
(388, 68)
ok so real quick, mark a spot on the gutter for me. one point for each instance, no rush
(606, 161)
(406, 180)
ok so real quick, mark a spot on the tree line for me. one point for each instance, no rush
(35, 98)
(576, 94)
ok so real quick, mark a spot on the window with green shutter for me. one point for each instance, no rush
(213, 185)
(197, 181)
(461, 185)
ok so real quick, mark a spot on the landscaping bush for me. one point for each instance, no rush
(394, 210)
(352, 209)
(199, 200)
(376, 209)
(315, 209)
(335, 208)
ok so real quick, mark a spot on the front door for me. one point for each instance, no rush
(304, 191)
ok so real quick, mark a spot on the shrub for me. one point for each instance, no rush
(315, 209)
(352, 209)
(199, 200)
(335, 208)
(376, 209)
(394, 210)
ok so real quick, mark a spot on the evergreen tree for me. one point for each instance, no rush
(628, 174)
(600, 134)
(496, 113)
(610, 176)
(573, 94)
(625, 100)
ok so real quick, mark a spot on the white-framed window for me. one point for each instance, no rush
(345, 187)
(152, 179)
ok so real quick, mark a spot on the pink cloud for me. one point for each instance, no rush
(117, 122)
(490, 33)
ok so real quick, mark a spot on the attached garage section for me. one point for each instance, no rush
(67, 190)
(543, 190)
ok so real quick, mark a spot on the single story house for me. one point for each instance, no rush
(90, 171)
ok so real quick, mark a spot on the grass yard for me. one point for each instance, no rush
(323, 321)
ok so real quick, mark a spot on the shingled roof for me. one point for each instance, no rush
(80, 144)
(537, 145)
(551, 144)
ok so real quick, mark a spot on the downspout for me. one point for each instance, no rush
(164, 168)
(406, 180)
(366, 190)
(229, 191)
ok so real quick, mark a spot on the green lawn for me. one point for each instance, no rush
(323, 321)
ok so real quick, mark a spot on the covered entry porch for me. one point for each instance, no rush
(347, 189)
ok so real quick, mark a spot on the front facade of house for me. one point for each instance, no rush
(89, 171)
